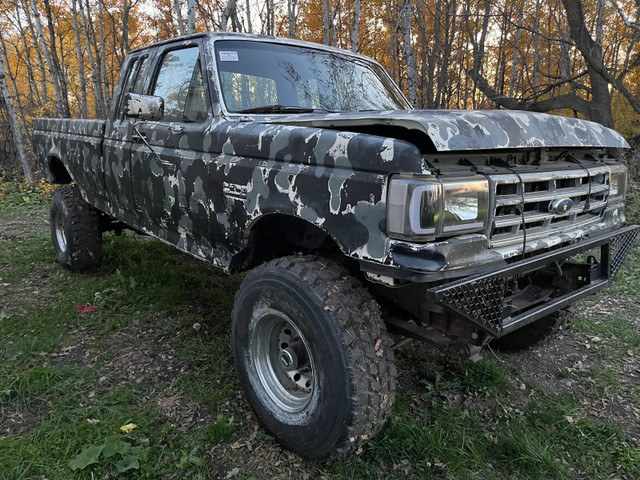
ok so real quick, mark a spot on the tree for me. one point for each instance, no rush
(13, 122)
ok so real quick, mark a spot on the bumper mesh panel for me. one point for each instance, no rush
(483, 301)
(620, 246)
(481, 298)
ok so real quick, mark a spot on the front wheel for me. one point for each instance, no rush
(75, 230)
(313, 356)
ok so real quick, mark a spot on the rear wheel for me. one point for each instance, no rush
(313, 356)
(533, 333)
(75, 230)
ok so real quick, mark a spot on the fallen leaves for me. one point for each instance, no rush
(84, 309)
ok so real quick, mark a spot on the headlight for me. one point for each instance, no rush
(617, 183)
(424, 208)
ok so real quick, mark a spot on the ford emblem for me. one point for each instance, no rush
(560, 206)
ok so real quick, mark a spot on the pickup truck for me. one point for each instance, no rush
(359, 219)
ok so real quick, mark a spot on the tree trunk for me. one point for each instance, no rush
(191, 16)
(356, 25)
(13, 122)
(271, 12)
(409, 54)
(103, 60)
(127, 6)
(59, 74)
(291, 12)
(33, 87)
(248, 7)
(226, 14)
(179, 19)
(431, 61)
(43, 74)
(536, 49)
(600, 104)
(443, 68)
(84, 109)
(14, 85)
(516, 52)
(95, 71)
(326, 26)
(45, 50)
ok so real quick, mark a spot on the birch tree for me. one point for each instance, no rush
(191, 16)
(46, 53)
(226, 14)
(13, 122)
(179, 19)
(355, 26)
(57, 67)
(95, 70)
(409, 54)
(84, 109)
(291, 13)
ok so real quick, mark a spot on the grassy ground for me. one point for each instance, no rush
(155, 353)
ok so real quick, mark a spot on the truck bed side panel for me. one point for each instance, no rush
(78, 145)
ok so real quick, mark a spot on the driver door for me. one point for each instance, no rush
(167, 153)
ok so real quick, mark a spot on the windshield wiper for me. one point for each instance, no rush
(278, 109)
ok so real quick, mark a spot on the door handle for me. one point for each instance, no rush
(138, 138)
(176, 129)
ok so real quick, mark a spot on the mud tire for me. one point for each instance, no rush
(533, 333)
(75, 230)
(350, 371)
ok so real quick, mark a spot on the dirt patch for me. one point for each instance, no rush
(570, 362)
(14, 420)
(18, 228)
(30, 291)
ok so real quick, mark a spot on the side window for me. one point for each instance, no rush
(133, 82)
(179, 83)
(137, 86)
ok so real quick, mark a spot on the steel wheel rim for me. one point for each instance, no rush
(61, 237)
(283, 362)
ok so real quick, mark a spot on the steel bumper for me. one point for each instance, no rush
(481, 297)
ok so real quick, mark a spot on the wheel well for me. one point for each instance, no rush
(58, 171)
(277, 235)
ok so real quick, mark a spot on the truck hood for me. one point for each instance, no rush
(456, 130)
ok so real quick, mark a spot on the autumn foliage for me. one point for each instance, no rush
(571, 57)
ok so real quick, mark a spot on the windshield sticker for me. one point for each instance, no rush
(228, 56)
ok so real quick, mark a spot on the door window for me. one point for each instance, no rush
(179, 83)
(133, 81)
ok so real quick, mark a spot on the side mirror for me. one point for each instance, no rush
(144, 107)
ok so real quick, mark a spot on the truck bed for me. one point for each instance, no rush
(77, 145)
(83, 127)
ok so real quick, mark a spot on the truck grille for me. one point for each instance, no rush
(582, 192)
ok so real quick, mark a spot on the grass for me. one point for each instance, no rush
(70, 381)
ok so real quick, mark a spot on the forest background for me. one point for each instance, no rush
(61, 58)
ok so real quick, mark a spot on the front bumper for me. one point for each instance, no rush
(483, 298)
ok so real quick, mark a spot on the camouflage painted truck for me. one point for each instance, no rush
(356, 215)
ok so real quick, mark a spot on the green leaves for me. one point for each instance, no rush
(113, 447)
(87, 457)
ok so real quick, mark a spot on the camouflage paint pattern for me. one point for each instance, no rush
(203, 186)
(464, 130)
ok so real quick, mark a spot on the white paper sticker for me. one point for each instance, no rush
(228, 56)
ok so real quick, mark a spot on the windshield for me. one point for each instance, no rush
(257, 77)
